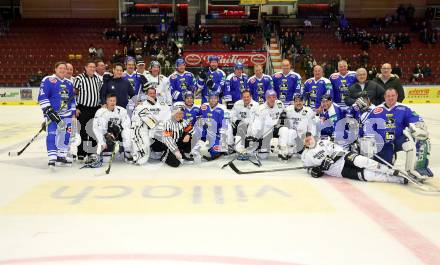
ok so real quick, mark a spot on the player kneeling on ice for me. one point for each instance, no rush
(57, 99)
(326, 157)
(266, 125)
(110, 125)
(211, 129)
(299, 120)
(150, 112)
(173, 138)
(242, 115)
(398, 128)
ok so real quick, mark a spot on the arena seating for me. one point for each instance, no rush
(36, 44)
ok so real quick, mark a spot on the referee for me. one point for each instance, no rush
(87, 86)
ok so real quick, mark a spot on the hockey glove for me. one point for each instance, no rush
(115, 129)
(202, 75)
(361, 104)
(326, 163)
(316, 172)
(54, 117)
(229, 104)
(143, 80)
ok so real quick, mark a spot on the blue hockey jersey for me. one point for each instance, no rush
(180, 83)
(234, 85)
(190, 114)
(53, 92)
(314, 90)
(328, 120)
(258, 87)
(134, 80)
(340, 86)
(215, 79)
(286, 86)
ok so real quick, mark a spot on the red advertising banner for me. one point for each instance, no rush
(198, 58)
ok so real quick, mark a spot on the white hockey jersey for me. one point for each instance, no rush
(302, 121)
(151, 113)
(243, 113)
(266, 118)
(314, 156)
(162, 85)
(105, 116)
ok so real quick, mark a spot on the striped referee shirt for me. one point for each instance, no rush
(173, 132)
(88, 89)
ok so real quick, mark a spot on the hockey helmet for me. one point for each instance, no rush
(155, 63)
(213, 58)
(239, 66)
(269, 93)
(179, 62)
(188, 94)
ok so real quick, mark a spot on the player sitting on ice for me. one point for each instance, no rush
(326, 157)
(397, 128)
(191, 112)
(110, 125)
(173, 138)
(211, 130)
(146, 116)
(266, 125)
(242, 115)
(330, 114)
(57, 99)
(299, 120)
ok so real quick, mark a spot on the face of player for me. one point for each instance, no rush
(90, 69)
(391, 97)
(117, 72)
(238, 72)
(386, 70)
(271, 101)
(130, 67)
(298, 104)
(309, 142)
(152, 93)
(181, 68)
(155, 70)
(100, 68)
(213, 101)
(140, 68)
(246, 98)
(286, 67)
(178, 116)
(69, 70)
(342, 68)
(60, 71)
(326, 104)
(258, 71)
(111, 103)
(213, 65)
(317, 72)
(189, 101)
(361, 76)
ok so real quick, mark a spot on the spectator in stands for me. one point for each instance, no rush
(364, 58)
(410, 11)
(117, 57)
(99, 53)
(375, 91)
(386, 79)
(343, 22)
(118, 86)
(226, 39)
(92, 51)
(417, 73)
(372, 72)
(307, 23)
(427, 72)
(35, 79)
(397, 70)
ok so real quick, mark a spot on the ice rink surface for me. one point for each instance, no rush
(204, 215)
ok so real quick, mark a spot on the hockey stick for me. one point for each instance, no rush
(115, 150)
(236, 170)
(408, 177)
(43, 128)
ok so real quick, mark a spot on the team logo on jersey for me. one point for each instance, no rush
(334, 76)
(252, 80)
(52, 80)
(278, 75)
(234, 78)
(203, 107)
(377, 110)
(173, 77)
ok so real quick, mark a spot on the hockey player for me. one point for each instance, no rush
(315, 88)
(173, 138)
(211, 80)
(341, 81)
(57, 100)
(329, 158)
(131, 75)
(158, 81)
(181, 81)
(111, 124)
(212, 128)
(266, 124)
(400, 128)
(329, 117)
(242, 115)
(286, 83)
(235, 84)
(259, 83)
(299, 120)
(191, 112)
(140, 69)
(146, 117)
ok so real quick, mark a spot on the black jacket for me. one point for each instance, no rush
(374, 90)
(120, 87)
(394, 81)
